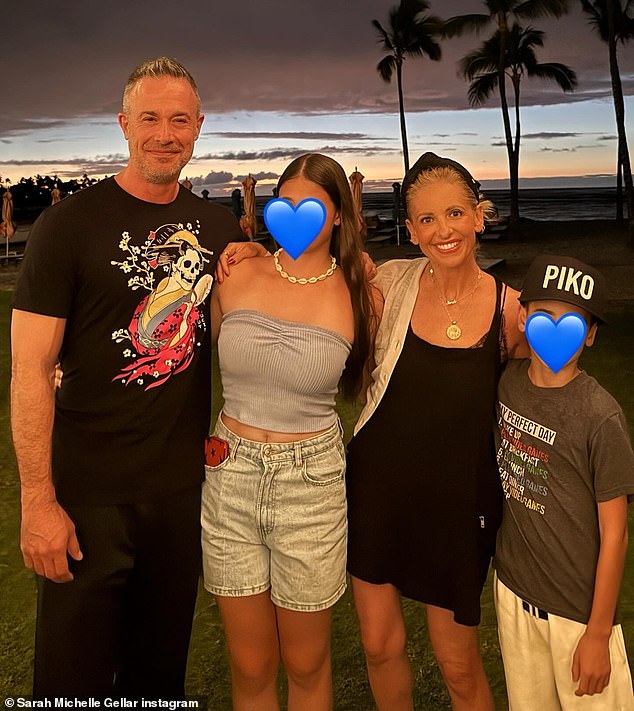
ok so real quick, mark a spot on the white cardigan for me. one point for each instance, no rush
(398, 281)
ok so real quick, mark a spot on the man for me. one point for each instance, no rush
(115, 283)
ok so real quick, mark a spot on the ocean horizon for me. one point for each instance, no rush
(551, 204)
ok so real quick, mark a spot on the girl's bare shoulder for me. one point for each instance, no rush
(245, 271)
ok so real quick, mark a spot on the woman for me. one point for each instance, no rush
(424, 496)
(274, 506)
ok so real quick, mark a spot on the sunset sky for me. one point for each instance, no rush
(280, 78)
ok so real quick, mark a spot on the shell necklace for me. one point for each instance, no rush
(302, 280)
(453, 330)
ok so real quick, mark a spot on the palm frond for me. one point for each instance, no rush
(562, 75)
(531, 9)
(476, 63)
(596, 11)
(625, 23)
(426, 31)
(386, 67)
(528, 37)
(383, 35)
(481, 65)
(409, 10)
(463, 24)
(415, 33)
(597, 19)
(482, 88)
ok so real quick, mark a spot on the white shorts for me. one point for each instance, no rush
(537, 651)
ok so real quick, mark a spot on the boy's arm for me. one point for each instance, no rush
(591, 660)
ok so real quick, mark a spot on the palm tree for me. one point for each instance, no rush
(410, 33)
(499, 13)
(481, 68)
(613, 22)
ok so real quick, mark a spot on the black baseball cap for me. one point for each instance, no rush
(551, 277)
(430, 160)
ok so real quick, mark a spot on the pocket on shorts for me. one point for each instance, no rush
(212, 470)
(326, 468)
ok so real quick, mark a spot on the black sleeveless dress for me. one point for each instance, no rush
(424, 492)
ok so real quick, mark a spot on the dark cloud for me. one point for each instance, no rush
(290, 153)
(446, 143)
(93, 169)
(558, 150)
(451, 135)
(13, 125)
(552, 134)
(262, 175)
(71, 59)
(212, 178)
(221, 183)
(114, 159)
(72, 167)
(302, 135)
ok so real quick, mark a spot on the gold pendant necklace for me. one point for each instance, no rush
(302, 280)
(454, 331)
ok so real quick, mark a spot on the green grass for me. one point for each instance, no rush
(610, 361)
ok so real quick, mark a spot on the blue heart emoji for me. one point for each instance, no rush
(555, 343)
(294, 227)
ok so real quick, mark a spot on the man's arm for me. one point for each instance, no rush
(591, 661)
(47, 534)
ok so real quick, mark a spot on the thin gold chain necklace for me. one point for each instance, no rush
(453, 330)
(303, 280)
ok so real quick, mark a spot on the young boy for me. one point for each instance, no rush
(567, 470)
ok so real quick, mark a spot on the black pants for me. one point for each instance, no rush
(122, 626)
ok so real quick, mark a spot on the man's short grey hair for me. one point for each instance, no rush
(159, 67)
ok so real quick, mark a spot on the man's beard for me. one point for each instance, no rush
(157, 175)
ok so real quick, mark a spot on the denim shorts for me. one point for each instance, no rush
(274, 516)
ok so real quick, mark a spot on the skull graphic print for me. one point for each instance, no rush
(164, 326)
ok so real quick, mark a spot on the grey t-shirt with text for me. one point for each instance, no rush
(561, 451)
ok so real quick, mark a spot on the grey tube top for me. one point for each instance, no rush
(279, 375)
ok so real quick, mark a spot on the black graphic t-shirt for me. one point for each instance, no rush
(562, 451)
(132, 280)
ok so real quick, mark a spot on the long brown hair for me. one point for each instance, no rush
(346, 247)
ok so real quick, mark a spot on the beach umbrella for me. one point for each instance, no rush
(396, 210)
(8, 226)
(248, 222)
(236, 203)
(56, 194)
(187, 183)
(356, 186)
